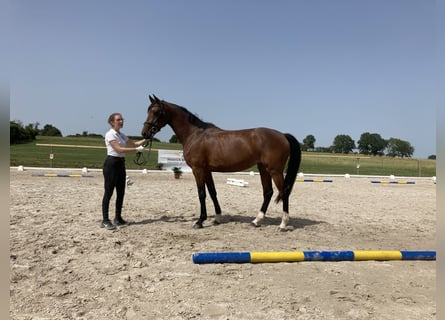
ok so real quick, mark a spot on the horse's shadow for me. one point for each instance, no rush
(294, 223)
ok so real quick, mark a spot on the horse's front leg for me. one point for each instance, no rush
(200, 183)
(212, 191)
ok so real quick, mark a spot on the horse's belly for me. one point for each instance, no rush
(231, 166)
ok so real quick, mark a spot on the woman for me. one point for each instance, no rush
(114, 169)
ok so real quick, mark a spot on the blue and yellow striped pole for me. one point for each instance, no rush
(314, 180)
(63, 175)
(393, 182)
(299, 256)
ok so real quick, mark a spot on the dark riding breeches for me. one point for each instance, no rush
(114, 177)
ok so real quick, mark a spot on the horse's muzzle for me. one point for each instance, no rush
(150, 133)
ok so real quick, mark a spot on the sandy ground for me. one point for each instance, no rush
(64, 266)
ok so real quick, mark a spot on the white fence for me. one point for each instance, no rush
(172, 158)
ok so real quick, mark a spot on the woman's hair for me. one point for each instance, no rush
(112, 116)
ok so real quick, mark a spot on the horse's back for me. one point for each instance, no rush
(236, 150)
(255, 140)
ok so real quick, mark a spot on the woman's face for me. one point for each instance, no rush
(118, 122)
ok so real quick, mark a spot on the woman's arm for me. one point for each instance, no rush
(116, 146)
(134, 144)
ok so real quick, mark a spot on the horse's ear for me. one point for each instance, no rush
(156, 98)
(151, 99)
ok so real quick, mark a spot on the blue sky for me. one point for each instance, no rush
(318, 67)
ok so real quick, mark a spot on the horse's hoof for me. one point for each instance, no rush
(216, 222)
(255, 225)
(197, 226)
(285, 229)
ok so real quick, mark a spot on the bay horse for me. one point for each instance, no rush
(207, 149)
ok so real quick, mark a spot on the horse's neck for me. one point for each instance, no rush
(180, 124)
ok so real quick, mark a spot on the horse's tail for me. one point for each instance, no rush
(292, 166)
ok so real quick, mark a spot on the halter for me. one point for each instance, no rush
(155, 125)
(153, 130)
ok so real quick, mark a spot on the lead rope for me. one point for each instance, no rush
(137, 159)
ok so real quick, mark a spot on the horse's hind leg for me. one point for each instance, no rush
(284, 196)
(212, 192)
(266, 182)
(285, 217)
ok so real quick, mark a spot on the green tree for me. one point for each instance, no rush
(343, 144)
(308, 143)
(174, 139)
(20, 134)
(50, 130)
(371, 143)
(399, 148)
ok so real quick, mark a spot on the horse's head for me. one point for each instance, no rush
(156, 118)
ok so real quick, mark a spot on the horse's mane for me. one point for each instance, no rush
(193, 119)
